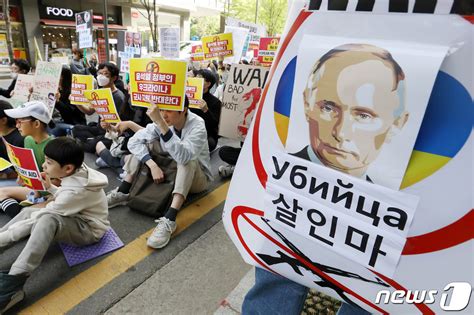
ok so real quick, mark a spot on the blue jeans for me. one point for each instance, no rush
(273, 294)
(60, 129)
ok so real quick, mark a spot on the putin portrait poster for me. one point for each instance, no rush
(358, 162)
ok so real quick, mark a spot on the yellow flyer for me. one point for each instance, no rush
(159, 81)
(104, 104)
(219, 45)
(80, 83)
(194, 89)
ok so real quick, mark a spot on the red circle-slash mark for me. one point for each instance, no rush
(242, 211)
(153, 67)
(259, 169)
(451, 235)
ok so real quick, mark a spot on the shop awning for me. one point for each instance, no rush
(72, 24)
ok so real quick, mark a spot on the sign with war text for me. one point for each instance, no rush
(215, 46)
(158, 81)
(24, 162)
(46, 83)
(103, 103)
(194, 91)
(80, 83)
(242, 93)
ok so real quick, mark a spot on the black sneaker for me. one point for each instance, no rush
(11, 290)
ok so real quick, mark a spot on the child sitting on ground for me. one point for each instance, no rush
(76, 214)
(32, 121)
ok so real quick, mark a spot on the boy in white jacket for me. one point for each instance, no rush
(76, 213)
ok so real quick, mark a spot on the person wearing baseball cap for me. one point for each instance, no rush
(32, 121)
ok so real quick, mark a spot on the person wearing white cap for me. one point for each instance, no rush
(32, 121)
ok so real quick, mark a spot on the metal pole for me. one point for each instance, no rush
(106, 31)
(256, 12)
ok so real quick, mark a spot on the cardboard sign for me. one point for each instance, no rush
(169, 42)
(194, 91)
(267, 49)
(21, 93)
(158, 81)
(84, 28)
(80, 83)
(242, 93)
(46, 83)
(197, 53)
(304, 110)
(24, 162)
(220, 45)
(103, 103)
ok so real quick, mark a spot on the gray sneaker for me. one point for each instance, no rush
(101, 163)
(226, 170)
(116, 198)
(161, 235)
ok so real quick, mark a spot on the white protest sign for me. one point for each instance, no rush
(169, 42)
(21, 93)
(46, 83)
(360, 220)
(438, 249)
(239, 35)
(242, 94)
(84, 28)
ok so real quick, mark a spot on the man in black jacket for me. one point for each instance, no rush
(18, 66)
(210, 108)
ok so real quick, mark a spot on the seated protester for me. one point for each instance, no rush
(70, 115)
(9, 132)
(32, 121)
(183, 136)
(75, 214)
(78, 65)
(18, 66)
(91, 134)
(210, 108)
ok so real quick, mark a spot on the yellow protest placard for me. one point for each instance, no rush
(80, 83)
(194, 89)
(103, 103)
(219, 45)
(4, 164)
(158, 81)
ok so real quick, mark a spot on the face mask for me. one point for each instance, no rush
(13, 75)
(102, 80)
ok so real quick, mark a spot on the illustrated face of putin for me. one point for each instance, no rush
(354, 103)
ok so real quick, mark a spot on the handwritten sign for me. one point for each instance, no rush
(158, 81)
(194, 89)
(24, 162)
(80, 83)
(103, 103)
(220, 45)
(21, 93)
(46, 83)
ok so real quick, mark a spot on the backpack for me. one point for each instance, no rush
(149, 198)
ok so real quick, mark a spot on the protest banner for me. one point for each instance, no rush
(21, 92)
(255, 32)
(158, 81)
(24, 162)
(220, 45)
(197, 53)
(84, 28)
(194, 91)
(4, 164)
(80, 83)
(239, 36)
(169, 42)
(304, 111)
(242, 93)
(103, 103)
(267, 49)
(46, 83)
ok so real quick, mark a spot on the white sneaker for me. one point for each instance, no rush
(101, 163)
(116, 198)
(226, 170)
(161, 235)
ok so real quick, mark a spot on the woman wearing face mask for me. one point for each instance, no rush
(18, 66)
(77, 64)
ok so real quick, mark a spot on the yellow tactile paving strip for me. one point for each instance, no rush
(74, 291)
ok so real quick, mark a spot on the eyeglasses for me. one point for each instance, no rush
(22, 120)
